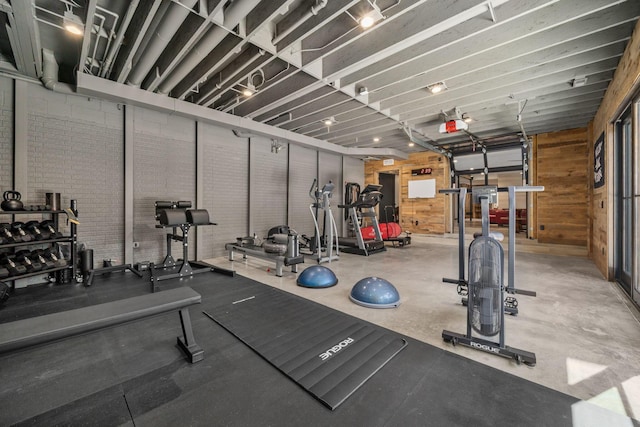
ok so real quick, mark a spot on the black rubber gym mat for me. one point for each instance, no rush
(328, 353)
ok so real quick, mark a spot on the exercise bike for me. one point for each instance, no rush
(485, 290)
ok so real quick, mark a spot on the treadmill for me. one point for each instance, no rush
(366, 201)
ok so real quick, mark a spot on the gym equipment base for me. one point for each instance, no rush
(185, 269)
(111, 269)
(520, 356)
(350, 246)
(256, 251)
(399, 242)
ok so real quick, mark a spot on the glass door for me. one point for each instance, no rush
(624, 201)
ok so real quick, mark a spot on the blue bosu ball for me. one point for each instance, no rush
(375, 292)
(317, 276)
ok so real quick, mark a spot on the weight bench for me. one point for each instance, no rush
(51, 327)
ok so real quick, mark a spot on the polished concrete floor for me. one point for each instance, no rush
(584, 330)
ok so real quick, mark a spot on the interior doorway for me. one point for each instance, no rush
(388, 207)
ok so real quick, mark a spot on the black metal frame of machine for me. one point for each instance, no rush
(291, 256)
(474, 286)
(367, 200)
(179, 215)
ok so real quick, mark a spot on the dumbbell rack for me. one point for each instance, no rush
(72, 239)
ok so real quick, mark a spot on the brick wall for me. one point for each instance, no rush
(268, 186)
(75, 147)
(164, 169)
(6, 134)
(226, 188)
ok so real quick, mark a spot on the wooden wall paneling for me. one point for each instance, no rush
(562, 164)
(424, 216)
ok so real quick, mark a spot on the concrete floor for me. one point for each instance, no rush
(584, 331)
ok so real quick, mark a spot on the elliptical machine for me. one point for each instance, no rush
(485, 288)
(322, 245)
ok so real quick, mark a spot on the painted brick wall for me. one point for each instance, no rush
(164, 154)
(303, 169)
(75, 147)
(268, 187)
(6, 134)
(226, 188)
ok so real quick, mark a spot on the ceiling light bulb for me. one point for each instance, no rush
(328, 122)
(366, 21)
(247, 92)
(376, 139)
(437, 87)
(411, 144)
(371, 18)
(72, 23)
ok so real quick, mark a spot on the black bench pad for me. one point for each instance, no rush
(50, 327)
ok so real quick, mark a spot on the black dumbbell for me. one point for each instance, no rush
(48, 228)
(25, 258)
(40, 256)
(7, 235)
(9, 262)
(17, 229)
(33, 229)
(4, 292)
(55, 257)
(3, 273)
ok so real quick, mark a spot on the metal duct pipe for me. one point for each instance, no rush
(106, 67)
(313, 11)
(221, 85)
(49, 70)
(232, 16)
(167, 28)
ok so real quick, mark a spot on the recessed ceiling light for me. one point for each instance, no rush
(411, 144)
(376, 139)
(471, 169)
(437, 87)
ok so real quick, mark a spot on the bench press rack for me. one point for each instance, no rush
(179, 215)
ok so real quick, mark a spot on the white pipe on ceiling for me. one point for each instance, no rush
(167, 28)
(106, 68)
(313, 11)
(232, 16)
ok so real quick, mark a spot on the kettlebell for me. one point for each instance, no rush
(12, 201)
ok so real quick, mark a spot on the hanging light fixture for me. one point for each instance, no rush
(329, 121)
(72, 22)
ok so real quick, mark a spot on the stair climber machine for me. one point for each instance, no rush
(324, 243)
(359, 209)
(485, 290)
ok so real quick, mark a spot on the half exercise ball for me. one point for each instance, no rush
(317, 276)
(375, 292)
